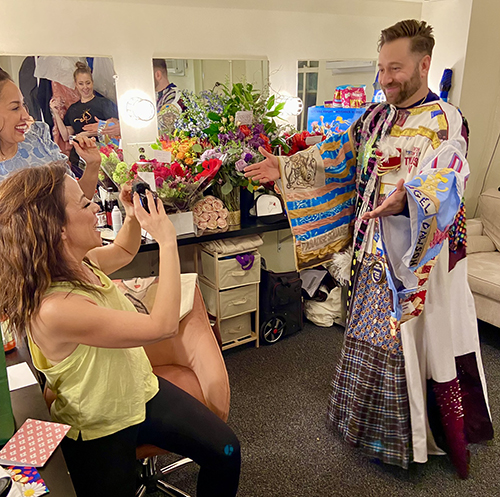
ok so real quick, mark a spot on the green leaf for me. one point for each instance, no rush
(226, 188)
(270, 102)
(280, 106)
(214, 117)
(197, 148)
(273, 113)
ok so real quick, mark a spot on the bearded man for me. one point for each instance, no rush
(410, 380)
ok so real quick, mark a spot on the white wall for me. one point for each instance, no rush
(480, 100)
(450, 20)
(134, 33)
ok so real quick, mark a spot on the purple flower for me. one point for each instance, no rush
(210, 154)
(240, 165)
(247, 156)
(258, 129)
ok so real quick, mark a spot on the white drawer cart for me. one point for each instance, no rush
(231, 295)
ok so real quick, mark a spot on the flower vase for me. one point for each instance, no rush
(232, 202)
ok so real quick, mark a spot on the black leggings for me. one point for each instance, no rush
(175, 422)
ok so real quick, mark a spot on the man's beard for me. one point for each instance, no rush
(406, 89)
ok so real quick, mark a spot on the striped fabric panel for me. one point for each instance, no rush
(332, 219)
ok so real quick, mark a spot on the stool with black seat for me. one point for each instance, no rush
(191, 360)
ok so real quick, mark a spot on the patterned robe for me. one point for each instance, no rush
(409, 381)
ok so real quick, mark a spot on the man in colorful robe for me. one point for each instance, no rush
(410, 380)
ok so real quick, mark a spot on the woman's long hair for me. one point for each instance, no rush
(32, 216)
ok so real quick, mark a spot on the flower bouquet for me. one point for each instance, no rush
(301, 141)
(111, 162)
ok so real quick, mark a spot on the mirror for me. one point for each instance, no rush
(317, 81)
(197, 75)
(51, 95)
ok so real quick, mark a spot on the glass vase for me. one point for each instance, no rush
(231, 201)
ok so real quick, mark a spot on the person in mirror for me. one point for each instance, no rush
(27, 143)
(87, 338)
(92, 116)
(167, 93)
(392, 185)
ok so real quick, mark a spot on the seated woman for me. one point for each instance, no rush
(83, 117)
(86, 337)
(26, 143)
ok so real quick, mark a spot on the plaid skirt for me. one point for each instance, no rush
(369, 401)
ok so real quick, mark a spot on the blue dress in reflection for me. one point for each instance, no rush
(37, 149)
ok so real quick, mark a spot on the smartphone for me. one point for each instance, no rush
(140, 188)
(72, 139)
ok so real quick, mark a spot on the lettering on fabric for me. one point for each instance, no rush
(421, 240)
(424, 201)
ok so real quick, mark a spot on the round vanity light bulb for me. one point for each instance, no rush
(144, 110)
(293, 106)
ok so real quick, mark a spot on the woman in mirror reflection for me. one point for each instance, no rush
(27, 143)
(91, 116)
(87, 338)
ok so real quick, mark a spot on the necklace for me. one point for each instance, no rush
(4, 157)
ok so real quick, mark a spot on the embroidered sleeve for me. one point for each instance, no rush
(434, 198)
(318, 187)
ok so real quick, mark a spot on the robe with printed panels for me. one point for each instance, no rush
(410, 381)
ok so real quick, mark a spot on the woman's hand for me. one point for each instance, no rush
(156, 223)
(126, 199)
(54, 107)
(87, 149)
(112, 128)
(265, 171)
(91, 129)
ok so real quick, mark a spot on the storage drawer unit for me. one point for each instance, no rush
(232, 330)
(224, 271)
(231, 302)
(231, 294)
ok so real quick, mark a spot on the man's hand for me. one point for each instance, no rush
(87, 149)
(265, 171)
(394, 204)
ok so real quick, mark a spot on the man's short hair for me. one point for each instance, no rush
(419, 33)
(160, 65)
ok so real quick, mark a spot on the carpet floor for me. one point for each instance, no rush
(279, 395)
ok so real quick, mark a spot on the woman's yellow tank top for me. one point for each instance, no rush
(99, 391)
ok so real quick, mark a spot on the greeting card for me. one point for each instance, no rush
(33, 443)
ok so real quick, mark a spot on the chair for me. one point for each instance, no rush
(192, 360)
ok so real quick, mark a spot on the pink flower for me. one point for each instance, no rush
(240, 165)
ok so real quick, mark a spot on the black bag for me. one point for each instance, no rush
(280, 305)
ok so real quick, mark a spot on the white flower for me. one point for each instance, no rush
(33, 490)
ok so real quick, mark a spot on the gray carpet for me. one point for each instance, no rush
(278, 408)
